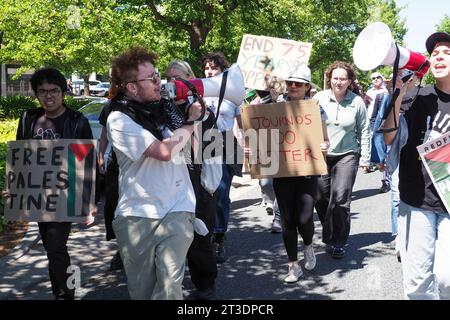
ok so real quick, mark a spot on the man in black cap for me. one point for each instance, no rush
(424, 221)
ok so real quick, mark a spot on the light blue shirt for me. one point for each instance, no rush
(347, 124)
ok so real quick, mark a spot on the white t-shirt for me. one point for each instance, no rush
(372, 94)
(228, 111)
(148, 187)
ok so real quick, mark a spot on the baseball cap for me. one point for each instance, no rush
(436, 38)
(300, 74)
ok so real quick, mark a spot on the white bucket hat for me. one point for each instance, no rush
(301, 74)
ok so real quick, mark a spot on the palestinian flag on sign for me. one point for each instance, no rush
(438, 162)
(80, 173)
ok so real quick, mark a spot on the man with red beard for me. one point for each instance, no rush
(423, 220)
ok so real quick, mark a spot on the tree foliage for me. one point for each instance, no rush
(48, 32)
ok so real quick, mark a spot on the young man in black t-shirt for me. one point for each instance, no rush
(53, 121)
(424, 222)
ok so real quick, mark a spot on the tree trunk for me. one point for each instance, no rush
(86, 85)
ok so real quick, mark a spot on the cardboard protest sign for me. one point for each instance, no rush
(288, 137)
(266, 61)
(50, 180)
(435, 156)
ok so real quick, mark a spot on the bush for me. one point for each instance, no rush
(7, 133)
(11, 107)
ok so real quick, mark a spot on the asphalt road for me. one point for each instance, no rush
(256, 262)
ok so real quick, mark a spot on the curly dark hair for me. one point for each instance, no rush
(125, 67)
(49, 75)
(218, 58)
(341, 65)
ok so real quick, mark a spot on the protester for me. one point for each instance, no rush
(53, 120)
(154, 218)
(201, 256)
(348, 131)
(423, 220)
(296, 195)
(378, 87)
(213, 64)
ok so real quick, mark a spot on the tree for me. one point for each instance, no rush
(80, 38)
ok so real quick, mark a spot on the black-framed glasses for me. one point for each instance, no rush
(377, 77)
(53, 92)
(155, 78)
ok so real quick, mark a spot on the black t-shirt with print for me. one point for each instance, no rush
(49, 128)
(428, 118)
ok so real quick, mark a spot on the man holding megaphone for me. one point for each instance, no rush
(424, 222)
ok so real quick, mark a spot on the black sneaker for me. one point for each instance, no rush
(338, 253)
(116, 262)
(385, 187)
(220, 252)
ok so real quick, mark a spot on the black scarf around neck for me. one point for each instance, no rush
(152, 116)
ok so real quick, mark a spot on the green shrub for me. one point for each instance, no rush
(8, 130)
(11, 107)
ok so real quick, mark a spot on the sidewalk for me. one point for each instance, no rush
(24, 273)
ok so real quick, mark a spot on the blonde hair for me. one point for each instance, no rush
(182, 66)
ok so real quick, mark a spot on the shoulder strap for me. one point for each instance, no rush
(222, 92)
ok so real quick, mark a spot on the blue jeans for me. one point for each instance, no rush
(395, 201)
(223, 200)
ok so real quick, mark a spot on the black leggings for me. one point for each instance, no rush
(296, 197)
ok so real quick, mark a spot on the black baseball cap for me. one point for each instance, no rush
(436, 38)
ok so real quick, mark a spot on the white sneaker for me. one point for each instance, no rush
(310, 257)
(294, 273)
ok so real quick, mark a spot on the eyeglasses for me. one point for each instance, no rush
(297, 84)
(377, 77)
(155, 78)
(53, 92)
(339, 79)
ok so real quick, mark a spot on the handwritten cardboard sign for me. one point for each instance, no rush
(267, 61)
(297, 149)
(50, 180)
(435, 156)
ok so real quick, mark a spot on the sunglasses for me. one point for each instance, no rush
(377, 77)
(297, 84)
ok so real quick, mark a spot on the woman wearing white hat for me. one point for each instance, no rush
(296, 195)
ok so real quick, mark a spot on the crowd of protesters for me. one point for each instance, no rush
(162, 212)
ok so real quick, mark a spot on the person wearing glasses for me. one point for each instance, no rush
(296, 195)
(54, 120)
(155, 215)
(348, 131)
(377, 88)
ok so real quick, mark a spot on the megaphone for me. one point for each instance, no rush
(375, 46)
(210, 87)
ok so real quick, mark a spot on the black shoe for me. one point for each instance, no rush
(207, 294)
(220, 252)
(385, 187)
(116, 262)
(338, 253)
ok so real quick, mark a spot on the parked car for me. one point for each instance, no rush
(78, 86)
(92, 111)
(101, 90)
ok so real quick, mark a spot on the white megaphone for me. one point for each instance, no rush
(375, 46)
(210, 87)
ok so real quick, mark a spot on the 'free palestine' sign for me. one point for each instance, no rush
(50, 180)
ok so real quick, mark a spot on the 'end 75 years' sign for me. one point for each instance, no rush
(267, 61)
(50, 180)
